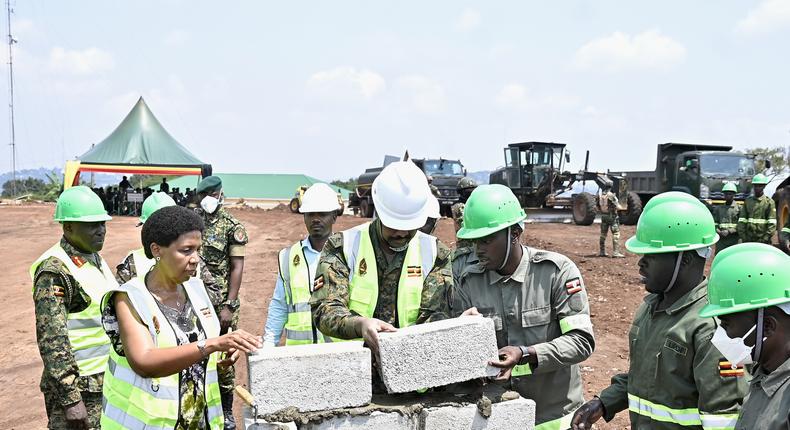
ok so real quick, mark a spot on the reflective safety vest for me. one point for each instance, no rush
(89, 343)
(131, 401)
(364, 278)
(142, 264)
(297, 281)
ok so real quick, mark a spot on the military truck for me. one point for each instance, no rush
(444, 174)
(534, 171)
(700, 170)
(782, 198)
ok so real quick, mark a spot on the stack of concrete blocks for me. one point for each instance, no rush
(337, 377)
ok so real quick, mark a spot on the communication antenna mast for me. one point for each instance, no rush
(11, 42)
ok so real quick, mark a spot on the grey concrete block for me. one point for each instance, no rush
(310, 377)
(511, 414)
(251, 424)
(374, 421)
(438, 353)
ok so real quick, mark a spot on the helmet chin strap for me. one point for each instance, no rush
(675, 273)
(507, 253)
(758, 344)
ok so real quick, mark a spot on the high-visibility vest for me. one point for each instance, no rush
(364, 278)
(142, 264)
(297, 282)
(89, 343)
(133, 401)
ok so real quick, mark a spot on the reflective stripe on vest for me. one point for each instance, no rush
(683, 417)
(786, 229)
(135, 402)
(756, 220)
(561, 423)
(297, 280)
(728, 225)
(142, 264)
(363, 280)
(90, 345)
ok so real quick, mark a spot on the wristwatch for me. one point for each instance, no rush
(201, 344)
(232, 304)
(524, 355)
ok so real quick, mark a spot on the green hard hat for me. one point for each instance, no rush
(672, 222)
(490, 208)
(153, 203)
(745, 277)
(759, 179)
(730, 186)
(80, 204)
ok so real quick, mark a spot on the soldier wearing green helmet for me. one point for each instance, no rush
(537, 300)
(752, 301)
(757, 219)
(726, 218)
(673, 379)
(69, 280)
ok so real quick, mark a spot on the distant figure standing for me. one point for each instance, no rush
(125, 184)
(164, 186)
(607, 206)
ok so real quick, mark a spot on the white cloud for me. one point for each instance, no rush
(513, 96)
(80, 62)
(175, 38)
(345, 81)
(469, 20)
(427, 96)
(620, 51)
(768, 16)
(516, 96)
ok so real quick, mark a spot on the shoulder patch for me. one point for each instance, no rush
(574, 285)
(240, 234)
(318, 283)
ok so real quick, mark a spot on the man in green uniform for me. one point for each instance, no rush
(757, 219)
(785, 236)
(224, 239)
(384, 274)
(607, 205)
(69, 280)
(726, 218)
(537, 300)
(674, 380)
(752, 303)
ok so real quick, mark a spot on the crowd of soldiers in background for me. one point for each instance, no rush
(117, 201)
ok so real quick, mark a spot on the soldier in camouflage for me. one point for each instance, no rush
(726, 218)
(464, 248)
(607, 205)
(757, 218)
(224, 241)
(72, 394)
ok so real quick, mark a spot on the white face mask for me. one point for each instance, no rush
(209, 204)
(734, 350)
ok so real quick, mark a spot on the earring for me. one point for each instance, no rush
(158, 258)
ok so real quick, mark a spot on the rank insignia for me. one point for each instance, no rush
(297, 260)
(78, 261)
(573, 286)
(726, 369)
(413, 271)
(156, 324)
(318, 283)
(59, 291)
(363, 267)
(206, 312)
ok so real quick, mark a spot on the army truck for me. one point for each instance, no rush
(700, 170)
(444, 175)
(782, 198)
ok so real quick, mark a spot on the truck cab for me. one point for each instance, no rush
(704, 173)
(444, 175)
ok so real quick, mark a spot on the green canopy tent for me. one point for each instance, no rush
(138, 145)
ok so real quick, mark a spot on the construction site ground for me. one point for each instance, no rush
(613, 287)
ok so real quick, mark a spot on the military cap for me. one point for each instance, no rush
(209, 184)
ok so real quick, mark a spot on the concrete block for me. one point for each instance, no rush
(438, 353)
(375, 421)
(511, 414)
(251, 424)
(310, 377)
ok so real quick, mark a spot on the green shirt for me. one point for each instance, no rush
(767, 407)
(674, 380)
(543, 304)
(757, 220)
(726, 218)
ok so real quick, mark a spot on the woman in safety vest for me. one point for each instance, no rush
(162, 371)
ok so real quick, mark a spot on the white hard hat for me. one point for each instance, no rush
(433, 207)
(319, 198)
(401, 196)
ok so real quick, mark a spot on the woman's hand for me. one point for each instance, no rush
(238, 340)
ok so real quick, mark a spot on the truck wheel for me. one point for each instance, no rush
(584, 209)
(294, 205)
(631, 215)
(782, 214)
(366, 209)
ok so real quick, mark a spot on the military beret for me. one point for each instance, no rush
(209, 184)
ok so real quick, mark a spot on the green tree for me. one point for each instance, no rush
(779, 157)
(350, 184)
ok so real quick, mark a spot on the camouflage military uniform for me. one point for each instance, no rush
(726, 218)
(224, 237)
(757, 220)
(125, 271)
(607, 204)
(56, 294)
(464, 248)
(330, 303)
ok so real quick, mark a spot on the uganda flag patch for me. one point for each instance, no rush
(573, 286)
(726, 369)
(413, 271)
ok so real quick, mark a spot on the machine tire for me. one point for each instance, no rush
(584, 209)
(294, 205)
(366, 209)
(341, 210)
(631, 216)
(782, 213)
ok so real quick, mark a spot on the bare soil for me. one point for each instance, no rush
(28, 230)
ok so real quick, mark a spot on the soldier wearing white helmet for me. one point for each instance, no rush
(289, 309)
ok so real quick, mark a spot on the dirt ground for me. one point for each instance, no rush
(27, 231)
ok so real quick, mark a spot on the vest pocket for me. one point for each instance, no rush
(361, 296)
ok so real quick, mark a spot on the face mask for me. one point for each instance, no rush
(734, 350)
(209, 204)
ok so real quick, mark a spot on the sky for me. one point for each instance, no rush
(328, 88)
